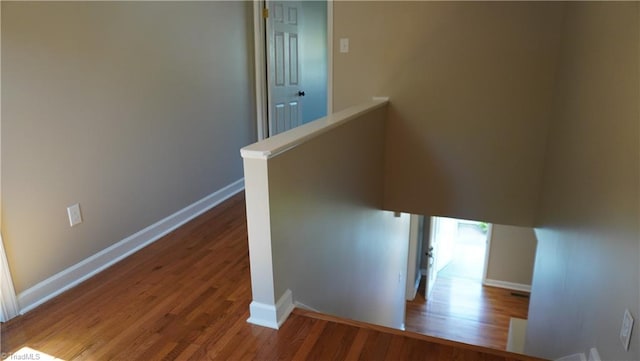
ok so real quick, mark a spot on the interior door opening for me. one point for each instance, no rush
(462, 248)
(297, 57)
(457, 249)
(456, 295)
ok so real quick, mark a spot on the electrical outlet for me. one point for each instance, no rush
(75, 217)
(625, 330)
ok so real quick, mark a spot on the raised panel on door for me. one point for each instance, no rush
(294, 114)
(279, 58)
(293, 60)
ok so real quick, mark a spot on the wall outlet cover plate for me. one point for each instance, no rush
(75, 216)
(625, 330)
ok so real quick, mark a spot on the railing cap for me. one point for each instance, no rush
(277, 144)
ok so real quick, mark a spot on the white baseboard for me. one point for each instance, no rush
(573, 357)
(9, 304)
(507, 285)
(74, 275)
(272, 316)
(305, 307)
(517, 335)
(414, 291)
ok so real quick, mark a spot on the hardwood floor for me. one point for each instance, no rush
(463, 310)
(186, 297)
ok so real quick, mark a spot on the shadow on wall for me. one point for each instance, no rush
(434, 183)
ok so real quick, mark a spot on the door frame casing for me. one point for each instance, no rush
(487, 250)
(261, 72)
(414, 274)
(9, 307)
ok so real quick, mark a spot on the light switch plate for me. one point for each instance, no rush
(625, 330)
(344, 45)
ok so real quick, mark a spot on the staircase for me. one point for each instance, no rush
(334, 338)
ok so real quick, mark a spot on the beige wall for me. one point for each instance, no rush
(586, 271)
(135, 110)
(470, 87)
(512, 254)
(332, 245)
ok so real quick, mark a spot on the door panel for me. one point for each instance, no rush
(279, 59)
(447, 231)
(284, 65)
(293, 59)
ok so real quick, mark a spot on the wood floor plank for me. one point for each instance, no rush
(310, 341)
(356, 346)
(187, 296)
(395, 348)
(465, 311)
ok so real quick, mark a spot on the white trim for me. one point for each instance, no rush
(259, 34)
(413, 280)
(272, 316)
(329, 57)
(594, 355)
(305, 307)
(487, 252)
(416, 285)
(573, 357)
(9, 303)
(507, 285)
(517, 335)
(74, 275)
(273, 146)
(284, 307)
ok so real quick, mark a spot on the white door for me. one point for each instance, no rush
(415, 249)
(446, 234)
(431, 254)
(285, 92)
(440, 249)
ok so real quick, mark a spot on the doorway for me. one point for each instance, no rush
(467, 251)
(457, 249)
(293, 63)
(452, 303)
